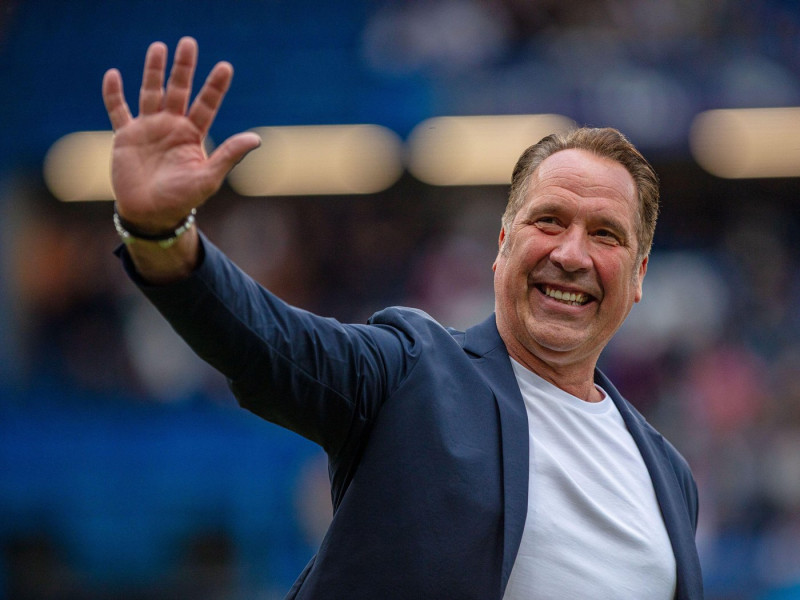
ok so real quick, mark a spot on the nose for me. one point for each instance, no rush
(571, 253)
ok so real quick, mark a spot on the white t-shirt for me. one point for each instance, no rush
(594, 529)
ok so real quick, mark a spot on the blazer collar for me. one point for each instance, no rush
(483, 338)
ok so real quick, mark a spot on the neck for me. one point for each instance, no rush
(575, 379)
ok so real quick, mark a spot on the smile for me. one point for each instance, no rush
(571, 298)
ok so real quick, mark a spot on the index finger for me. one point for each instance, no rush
(114, 99)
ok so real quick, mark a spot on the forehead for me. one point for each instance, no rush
(581, 175)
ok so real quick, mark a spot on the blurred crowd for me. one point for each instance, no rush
(711, 356)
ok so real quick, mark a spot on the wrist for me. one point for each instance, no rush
(158, 266)
(131, 233)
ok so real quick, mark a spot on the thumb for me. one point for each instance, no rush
(232, 150)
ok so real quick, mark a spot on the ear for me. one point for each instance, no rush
(640, 278)
(500, 241)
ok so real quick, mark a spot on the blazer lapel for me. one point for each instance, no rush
(668, 492)
(491, 361)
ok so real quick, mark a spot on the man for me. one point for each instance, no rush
(492, 463)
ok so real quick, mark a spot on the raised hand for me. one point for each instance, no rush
(159, 169)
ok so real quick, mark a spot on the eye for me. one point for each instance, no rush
(608, 236)
(549, 224)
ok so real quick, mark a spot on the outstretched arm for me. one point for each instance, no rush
(159, 169)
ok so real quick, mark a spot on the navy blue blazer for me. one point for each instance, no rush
(425, 429)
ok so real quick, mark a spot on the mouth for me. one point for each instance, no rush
(565, 296)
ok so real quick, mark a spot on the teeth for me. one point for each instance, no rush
(567, 297)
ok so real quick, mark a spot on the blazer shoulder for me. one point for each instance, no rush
(414, 322)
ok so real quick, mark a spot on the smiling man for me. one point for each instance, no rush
(573, 254)
(495, 463)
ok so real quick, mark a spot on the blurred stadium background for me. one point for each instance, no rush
(125, 469)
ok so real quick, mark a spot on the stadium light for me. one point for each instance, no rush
(77, 167)
(325, 159)
(476, 150)
(747, 143)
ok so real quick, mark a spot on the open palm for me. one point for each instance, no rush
(159, 169)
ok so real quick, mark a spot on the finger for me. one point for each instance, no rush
(179, 86)
(230, 152)
(152, 91)
(205, 106)
(114, 98)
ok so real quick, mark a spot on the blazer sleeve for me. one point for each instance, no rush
(316, 376)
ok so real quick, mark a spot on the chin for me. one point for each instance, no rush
(560, 348)
(559, 339)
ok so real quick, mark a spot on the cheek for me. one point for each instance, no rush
(623, 283)
(509, 285)
(524, 259)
